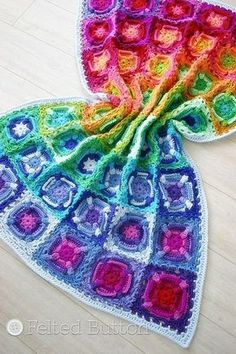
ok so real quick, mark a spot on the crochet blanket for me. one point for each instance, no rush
(98, 196)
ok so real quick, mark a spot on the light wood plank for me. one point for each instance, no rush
(216, 163)
(33, 60)
(15, 91)
(227, 2)
(71, 5)
(11, 10)
(209, 338)
(233, 137)
(51, 24)
(12, 345)
(222, 223)
(219, 294)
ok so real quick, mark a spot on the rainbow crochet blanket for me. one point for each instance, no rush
(98, 196)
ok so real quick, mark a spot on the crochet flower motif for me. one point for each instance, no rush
(33, 161)
(201, 43)
(20, 127)
(202, 84)
(166, 36)
(224, 107)
(88, 163)
(169, 148)
(58, 116)
(132, 31)
(225, 61)
(91, 216)
(138, 6)
(112, 180)
(130, 232)
(166, 296)
(98, 62)
(128, 61)
(215, 18)
(177, 192)
(8, 183)
(141, 190)
(159, 66)
(111, 278)
(97, 31)
(175, 242)
(58, 192)
(178, 10)
(100, 6)
(65, 143)
(66, 254)
(28, 221)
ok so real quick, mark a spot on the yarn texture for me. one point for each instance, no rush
(98, 196)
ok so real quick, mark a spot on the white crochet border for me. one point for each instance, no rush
(183, 339)
(78, 54)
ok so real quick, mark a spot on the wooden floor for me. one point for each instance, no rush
(37, 61)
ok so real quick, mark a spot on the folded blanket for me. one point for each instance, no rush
(98, 196)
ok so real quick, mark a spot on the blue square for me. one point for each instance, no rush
(65, 254)
(92, 216)
(114, 280)
(176, 242)
(178, 192)
(10, 186)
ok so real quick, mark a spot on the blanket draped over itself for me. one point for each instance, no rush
(98, 196)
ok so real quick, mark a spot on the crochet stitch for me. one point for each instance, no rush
(98, 196)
